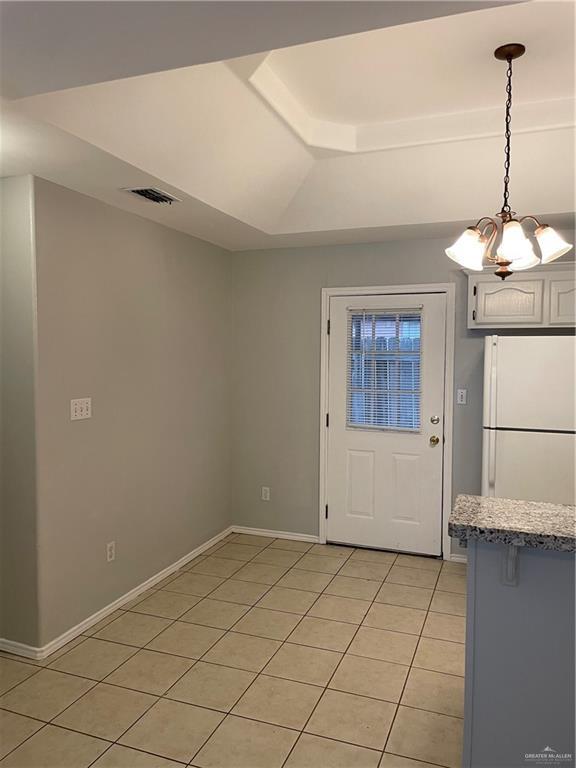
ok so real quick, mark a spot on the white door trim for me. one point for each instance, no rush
(449, 290)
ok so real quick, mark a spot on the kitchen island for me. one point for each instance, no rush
(519, 701)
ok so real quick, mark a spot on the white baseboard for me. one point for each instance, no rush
(275, 534)
(455, 558)
(38, 653)
(19, 649)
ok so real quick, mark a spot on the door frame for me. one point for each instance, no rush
(449, 290)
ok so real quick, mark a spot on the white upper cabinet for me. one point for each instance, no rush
(545, 297)
(507, 302)
(562, 300)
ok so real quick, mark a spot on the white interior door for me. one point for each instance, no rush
(386, 420)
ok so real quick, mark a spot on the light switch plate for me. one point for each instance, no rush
(81, 408)
(461, 396)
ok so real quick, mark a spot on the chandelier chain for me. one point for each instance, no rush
(507, 135)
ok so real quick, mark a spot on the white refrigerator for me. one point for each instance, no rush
(528, 447)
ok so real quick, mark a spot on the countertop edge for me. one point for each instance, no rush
(500, 521)
(465, 533)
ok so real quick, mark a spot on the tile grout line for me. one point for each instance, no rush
(137, 649)
(248, 607)
(326, 687)
(50, 722)
(221, 664)
(424, 762)
(155, 588)
(96, 683)
(282, 643)
(257, 674)
(225, 714)
(161, 697)
(411, 666)
(194, 663)
(428, 611)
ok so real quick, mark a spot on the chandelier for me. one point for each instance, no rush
(475, 246)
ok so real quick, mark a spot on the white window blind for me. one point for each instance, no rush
(383, 378)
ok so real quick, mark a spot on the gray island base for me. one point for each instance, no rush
(520, 670)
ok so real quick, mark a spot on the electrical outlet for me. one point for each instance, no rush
(111, 551)
(461, 396)
(265, 493)
(81, 408)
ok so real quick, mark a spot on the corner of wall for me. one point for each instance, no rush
(18, 348)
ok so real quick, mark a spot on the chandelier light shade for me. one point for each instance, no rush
(515, 247)
(474, 248)
(552, 246)
(468, 250)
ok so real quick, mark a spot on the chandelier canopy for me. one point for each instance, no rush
(474, 248)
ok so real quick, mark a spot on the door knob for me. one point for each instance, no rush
(434, 440)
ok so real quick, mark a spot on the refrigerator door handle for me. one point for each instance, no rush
(490, 381)
(491, 461)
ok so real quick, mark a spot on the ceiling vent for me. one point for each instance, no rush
(153, 194)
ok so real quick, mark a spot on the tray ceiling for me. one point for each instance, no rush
(332, 141)
(430, 81)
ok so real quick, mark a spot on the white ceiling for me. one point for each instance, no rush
(47, 46)
(334, 141)
(418, 83)
(386, 74)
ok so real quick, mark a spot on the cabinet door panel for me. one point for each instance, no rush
(562, 301)
(509, 303)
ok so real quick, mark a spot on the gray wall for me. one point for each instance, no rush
(276, 377)
(276, 389)
(203, 368)
(18, 582)
(135, 316)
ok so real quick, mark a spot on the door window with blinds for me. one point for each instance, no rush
(383, 378)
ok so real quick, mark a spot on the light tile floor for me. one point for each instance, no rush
(260, 653)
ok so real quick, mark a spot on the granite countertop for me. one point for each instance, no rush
(511, 521)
